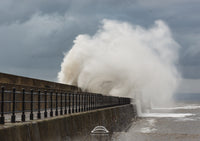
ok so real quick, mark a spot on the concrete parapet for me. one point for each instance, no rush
(69, 127)
(20, 82)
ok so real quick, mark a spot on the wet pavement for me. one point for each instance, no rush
(181, 123)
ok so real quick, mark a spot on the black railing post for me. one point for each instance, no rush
(82, 102)
(13, 107)
(65, 103)
(56, 113)
(87, 102)
(73, 102)
(99, 101)
(39, 114)
(61, 104)
(31, 114)
(45, 103)
(51, 104)
(2, 118)
(91, 101)
(106, 101)
(69, 103)
(92, 96)
(103, 101)
(109, 101)
(23, 105)
(79, 101)
(95, 101)
(76, 102)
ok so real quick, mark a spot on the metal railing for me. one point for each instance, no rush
(42, 103)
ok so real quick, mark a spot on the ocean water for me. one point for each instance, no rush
(178, 123)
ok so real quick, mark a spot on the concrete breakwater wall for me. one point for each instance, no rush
(75, 126)
(21, 82)
(9, 81)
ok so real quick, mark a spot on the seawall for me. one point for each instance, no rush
(21, 82)
(67, 127)
(10, 81)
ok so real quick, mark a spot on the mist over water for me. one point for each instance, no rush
(122, 59)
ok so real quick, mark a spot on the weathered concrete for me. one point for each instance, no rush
(22, 82)
(9, 81)
(68, 127)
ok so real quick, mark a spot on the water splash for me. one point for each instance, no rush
(124, 60)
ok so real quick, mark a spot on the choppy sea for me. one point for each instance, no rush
(178, 123)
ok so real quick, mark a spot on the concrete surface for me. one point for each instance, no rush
(69, 127)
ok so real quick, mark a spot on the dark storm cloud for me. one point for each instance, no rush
(35, 34)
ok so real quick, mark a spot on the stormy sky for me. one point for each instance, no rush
(34, 35)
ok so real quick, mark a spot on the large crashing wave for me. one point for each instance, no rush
(124, 60)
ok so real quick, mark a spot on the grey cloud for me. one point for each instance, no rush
(164, 4)
(35, 34)
(22, 10)
(38, 44)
